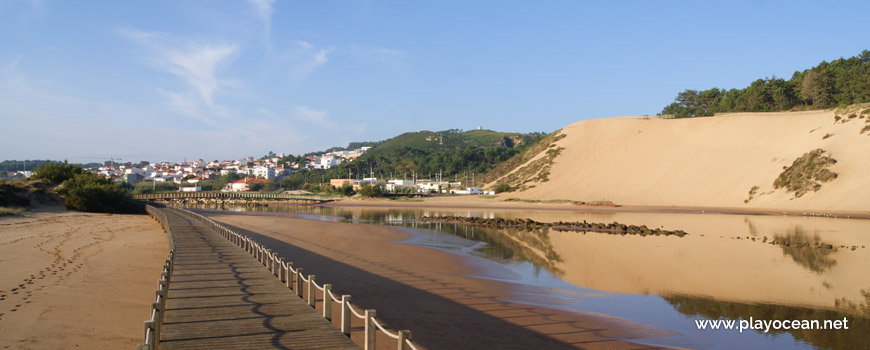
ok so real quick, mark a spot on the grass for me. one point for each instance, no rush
(827, 136)
(4, 211)
(806, 173)
(518, 160)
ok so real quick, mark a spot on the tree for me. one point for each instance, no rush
(57, 172)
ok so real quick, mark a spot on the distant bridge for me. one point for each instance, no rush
(231, 196)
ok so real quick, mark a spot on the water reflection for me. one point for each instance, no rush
(859, 338)
(729, 266)
(807, 251)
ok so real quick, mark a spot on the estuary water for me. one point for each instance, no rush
(729, 267)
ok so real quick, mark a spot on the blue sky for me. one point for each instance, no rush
(169, 80)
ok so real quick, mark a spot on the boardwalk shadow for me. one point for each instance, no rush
(241, 307)
(439, 322)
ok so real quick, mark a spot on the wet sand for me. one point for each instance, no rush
(429, 291)
(73, 280)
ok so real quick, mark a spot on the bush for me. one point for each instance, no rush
(9, 195)
(151, 187)
(802, 176)
(370, 191)
(346, 190)
(57, 173)
(92, 193)
(502, 188)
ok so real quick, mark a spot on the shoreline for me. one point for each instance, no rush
(497, 203)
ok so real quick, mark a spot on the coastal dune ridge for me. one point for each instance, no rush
(705, 162)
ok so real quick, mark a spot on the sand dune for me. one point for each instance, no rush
(712, 161)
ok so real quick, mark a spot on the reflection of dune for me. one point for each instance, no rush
(856, 337)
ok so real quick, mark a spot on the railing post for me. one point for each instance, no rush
(345, 314)
(156, 326)
(327, 302)
(370, 330)
(149, 325)
(288, 280)
(403, 335)
(280, 273)
(311, 293)
(299, 282)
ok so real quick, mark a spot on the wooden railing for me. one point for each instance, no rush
(229, 195)
(154, 325)
(296, 281)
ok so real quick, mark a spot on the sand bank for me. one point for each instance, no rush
(430, 292)
(75, 280)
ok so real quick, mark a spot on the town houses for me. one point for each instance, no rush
(334, 158)
(192, 172)
(255, 174)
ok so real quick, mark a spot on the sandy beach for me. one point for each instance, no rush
(71, 280)
(430, 292)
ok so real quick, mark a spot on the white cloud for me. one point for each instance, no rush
(263, 9)
(196, 63)
(306, 59)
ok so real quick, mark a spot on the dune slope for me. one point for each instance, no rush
(711, 162)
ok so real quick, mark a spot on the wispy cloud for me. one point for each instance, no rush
(195, 63)
(263, 10)
(9, 68)
(320, 118)
(306, 59)
(378, 54)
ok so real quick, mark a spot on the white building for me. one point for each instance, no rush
(264, 172)
(395, 185)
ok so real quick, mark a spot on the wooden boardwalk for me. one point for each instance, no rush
(220, 297)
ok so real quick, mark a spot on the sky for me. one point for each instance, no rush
(172, 80)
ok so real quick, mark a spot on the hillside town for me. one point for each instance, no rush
(254, 173)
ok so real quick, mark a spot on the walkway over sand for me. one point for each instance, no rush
(220, 297)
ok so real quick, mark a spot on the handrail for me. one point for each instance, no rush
(154, 325)
(270, 259)
(229, 195)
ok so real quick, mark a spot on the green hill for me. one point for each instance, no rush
(447, 140)
(451, 153)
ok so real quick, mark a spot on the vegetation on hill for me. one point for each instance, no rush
(841, 82)
(18, 195)
(86, 191)
(806, 172)
(450, 153)
(512, 175)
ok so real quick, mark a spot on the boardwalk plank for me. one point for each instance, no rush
(220, 297)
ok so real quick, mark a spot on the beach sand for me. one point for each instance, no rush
(430, 292)
(71, 280)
